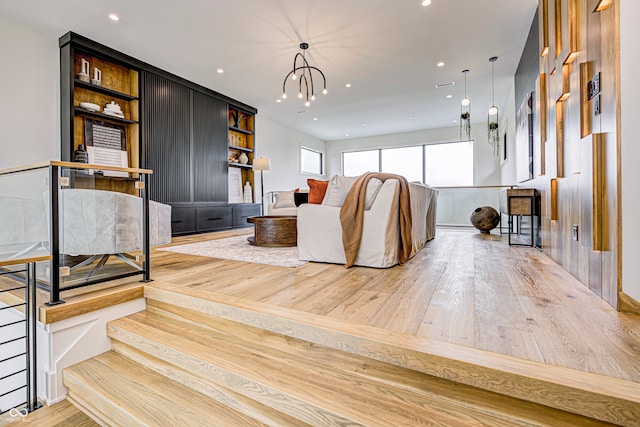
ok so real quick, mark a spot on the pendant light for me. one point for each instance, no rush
(492, 117)
(465, 112)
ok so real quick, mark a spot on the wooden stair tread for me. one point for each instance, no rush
(605, 398)
(320, 388)
(122, 392)
(416, 382)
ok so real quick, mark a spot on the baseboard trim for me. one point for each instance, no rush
(628, 304)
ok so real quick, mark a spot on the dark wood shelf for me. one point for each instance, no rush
(240, 165)
(235, 129)
(104, 90)
(84, 112)
(235, 147)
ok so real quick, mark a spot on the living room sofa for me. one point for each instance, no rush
(320, 228)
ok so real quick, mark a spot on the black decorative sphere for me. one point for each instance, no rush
(485, 219)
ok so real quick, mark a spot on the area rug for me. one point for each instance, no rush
(238, 249)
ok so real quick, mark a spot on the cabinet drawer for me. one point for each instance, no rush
(183, 220)
(213, 217)
(241, 213)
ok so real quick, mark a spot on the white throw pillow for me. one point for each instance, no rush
(284, 199)
(338, 189)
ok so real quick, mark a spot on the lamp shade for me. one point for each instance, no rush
(261, 164)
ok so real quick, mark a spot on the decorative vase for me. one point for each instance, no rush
(485, 219)
(80, 155)
(243, 159)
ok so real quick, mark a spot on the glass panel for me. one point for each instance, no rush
(24, 229)
(455, 205)
(449, 165)
(310, 161)
(405, 161)
(100, 225)
(358, 162)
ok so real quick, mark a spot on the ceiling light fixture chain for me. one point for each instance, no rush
(465, 113)
(305, 78)
(493, 122)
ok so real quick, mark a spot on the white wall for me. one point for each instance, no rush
(630, 148)
(487, 166)
(281, 145)
(29, 95)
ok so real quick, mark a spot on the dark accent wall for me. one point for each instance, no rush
(209, 149)
(528, 68)
(166, 138)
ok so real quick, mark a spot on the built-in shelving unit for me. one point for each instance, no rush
(189, 152)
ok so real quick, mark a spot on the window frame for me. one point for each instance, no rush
(311, 150)
(424, 149)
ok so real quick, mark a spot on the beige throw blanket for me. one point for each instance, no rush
(352, 217)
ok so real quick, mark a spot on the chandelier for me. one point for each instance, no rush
(303, 73)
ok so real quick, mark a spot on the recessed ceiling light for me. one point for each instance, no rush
(347, 85)
(455, 121)
(426, 2)
(315, 118)
(219, 71)
(114, 17)
(346, 134)
(278, 100)
(411, 117)
(440, 64)
(449, 96)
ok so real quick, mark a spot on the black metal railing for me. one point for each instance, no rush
(60, 176)
(18, 349)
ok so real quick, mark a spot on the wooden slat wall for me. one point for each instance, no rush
(586, 45)
(166, 138)
(209, 149)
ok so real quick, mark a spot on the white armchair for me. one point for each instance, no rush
(320, 229)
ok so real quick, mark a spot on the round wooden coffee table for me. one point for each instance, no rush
(274, 230)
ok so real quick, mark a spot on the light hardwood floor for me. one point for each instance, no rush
(463, 287)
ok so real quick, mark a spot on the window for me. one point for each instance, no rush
(358, 162)
(449, 165)
(442, 165)
(405, 161)
(310, 161)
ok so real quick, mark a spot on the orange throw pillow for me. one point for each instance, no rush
(317, 190)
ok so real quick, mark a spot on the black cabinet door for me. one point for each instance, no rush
(166, 133)
(183, 220)
(210, 218)
(209, 149)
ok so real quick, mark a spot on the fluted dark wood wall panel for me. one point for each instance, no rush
(209, 149)
(166, 113)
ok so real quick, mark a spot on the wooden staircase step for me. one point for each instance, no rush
(313, 392)
(119, 392)
(590, 395)
(427, 386)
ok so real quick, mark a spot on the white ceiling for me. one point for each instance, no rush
(386, 49)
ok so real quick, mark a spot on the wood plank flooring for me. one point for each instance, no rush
(463, 287)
